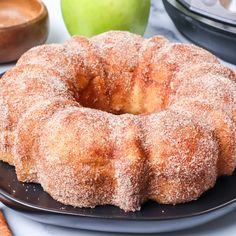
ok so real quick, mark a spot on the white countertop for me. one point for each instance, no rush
(159, 24)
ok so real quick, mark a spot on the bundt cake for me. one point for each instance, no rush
(119, 119)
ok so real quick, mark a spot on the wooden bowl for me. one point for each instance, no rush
(23, 25)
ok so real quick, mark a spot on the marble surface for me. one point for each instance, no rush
(159, 23)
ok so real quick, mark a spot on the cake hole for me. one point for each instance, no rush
(112, 105)
(93, 96)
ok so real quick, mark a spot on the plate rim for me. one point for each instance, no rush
(24, 206)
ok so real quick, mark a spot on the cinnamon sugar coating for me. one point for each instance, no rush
(119, 119)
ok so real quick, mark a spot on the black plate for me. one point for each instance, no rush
(31, 201)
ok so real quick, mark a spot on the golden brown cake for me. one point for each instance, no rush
(119, 119)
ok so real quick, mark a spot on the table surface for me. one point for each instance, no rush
(159, 23)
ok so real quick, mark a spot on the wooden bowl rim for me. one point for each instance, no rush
(42, 13)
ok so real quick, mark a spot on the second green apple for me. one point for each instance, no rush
(92, 17)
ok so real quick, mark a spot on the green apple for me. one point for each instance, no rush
(91, 17)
